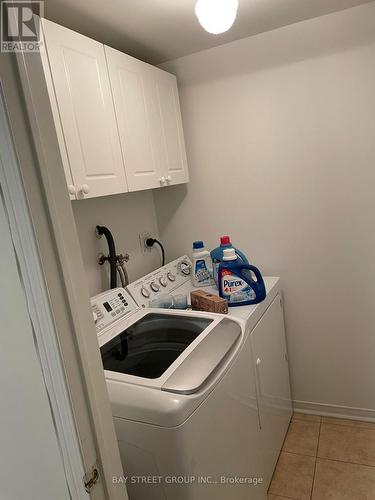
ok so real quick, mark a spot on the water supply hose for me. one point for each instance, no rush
(102, 230)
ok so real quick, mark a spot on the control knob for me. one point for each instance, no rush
(154, 287)
(145, 292)
(184, 267)
(163, 281)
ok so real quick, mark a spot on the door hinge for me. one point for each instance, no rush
(90, 479)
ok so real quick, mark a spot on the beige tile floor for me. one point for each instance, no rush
(325, 458)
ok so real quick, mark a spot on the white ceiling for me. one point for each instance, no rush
(159, 30)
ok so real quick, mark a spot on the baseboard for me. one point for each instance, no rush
(334, 411)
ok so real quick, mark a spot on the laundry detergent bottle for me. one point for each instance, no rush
(202, 265)
(236, 281)
(218, 253)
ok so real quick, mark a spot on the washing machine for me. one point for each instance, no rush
(185, 392)
(182, 390)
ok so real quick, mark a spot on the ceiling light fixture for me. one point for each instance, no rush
(216, 16)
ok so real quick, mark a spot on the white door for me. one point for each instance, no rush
(30, 458)
(170, 132)
(273, 386)
(132, 94)
(83, 94)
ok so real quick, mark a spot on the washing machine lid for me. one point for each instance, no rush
(169, 400)
(190, 376)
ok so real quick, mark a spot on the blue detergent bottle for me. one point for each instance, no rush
(217, 256)
(236, 282)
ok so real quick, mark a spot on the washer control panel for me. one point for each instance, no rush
(111, 305)
(164, 280)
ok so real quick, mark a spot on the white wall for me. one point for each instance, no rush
(280, 134)
(126, 215)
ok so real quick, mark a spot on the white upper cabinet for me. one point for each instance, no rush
(149, 122)
(136, 122)
(85, 107)
(60, 135)
(174, 163)
(118, 120)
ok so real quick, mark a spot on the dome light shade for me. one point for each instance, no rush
(216, 16)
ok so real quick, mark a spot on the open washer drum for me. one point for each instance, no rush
(154, 358)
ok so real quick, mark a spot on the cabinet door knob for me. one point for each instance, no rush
(258, 362)
(162, 180)
(85, 189)
(169, 178)
(71, 189)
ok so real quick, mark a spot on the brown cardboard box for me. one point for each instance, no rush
(204, 301)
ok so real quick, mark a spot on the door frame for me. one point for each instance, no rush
(38, 308)
(44, 232)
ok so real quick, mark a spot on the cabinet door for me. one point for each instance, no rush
(83, 95)
(273, 387)
(149, 120)
(137, 124)
(170, 134)
(55, 112)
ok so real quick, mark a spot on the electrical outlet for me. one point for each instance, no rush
(142, 241)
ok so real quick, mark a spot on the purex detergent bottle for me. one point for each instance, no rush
(217, 256)
(236, 282)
